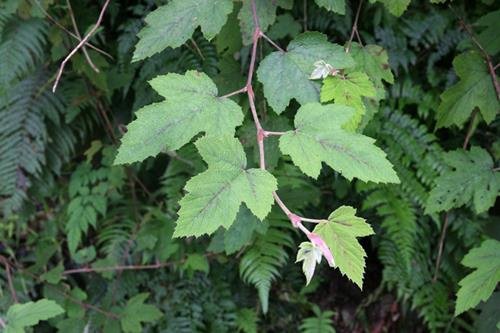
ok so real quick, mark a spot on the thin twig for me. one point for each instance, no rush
(9, 279)
(77, 32)
(116, 268)
(2, 323)
(236, 92)
(271, 42)
(280, 203)
(157, 265)
(197, 49)
(65, 295)
(84, 305)
(440, 248)
(306, 219)
(486, 56)
(60, 26)
(354, 30)
(82, 42)
(269, 133)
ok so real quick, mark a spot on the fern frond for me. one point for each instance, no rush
(21, 48)
(260, 264)
(398, 218)
(320, 323)
(23, 137)
(199, 54)
(414, 151)
(432, 302)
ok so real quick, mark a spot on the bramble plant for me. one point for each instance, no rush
(323, 132)
(173, 165)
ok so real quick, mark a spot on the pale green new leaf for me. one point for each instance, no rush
(266, 12)
(191, 106)
(480, 284)
(319, 137)
(172, 24)
(337, 6)
(474, 90)
(136, 312)
(348, 89)
(310, 255)
(214, 196)
(395, 7)
(20, 316)
(285, 75)
(340, 233)
(471, 179)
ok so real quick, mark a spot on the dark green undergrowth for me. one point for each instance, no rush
(90, 242)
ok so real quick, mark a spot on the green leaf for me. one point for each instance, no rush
(54, 275)
(395, 7)
(261, 263)
(348, 90)
(471, 179)
(337, 6)
(136, 312)
(340, 234)
(75, 310)
(20, 316)
(285, 75)
(71, 325)
(320, 323)
(488, 37)
(489, 319)
(318, 137)
(191, 106)
(214, 196)
(310, 255)
(241, 231)
(374, 61)
(285, 26)
(196, 262)
(480, 284)
(266, 12)
(246, 320)
(172, 24)
(474, 90)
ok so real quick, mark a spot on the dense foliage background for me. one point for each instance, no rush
(95, 238)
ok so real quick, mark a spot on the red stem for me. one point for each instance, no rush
(261, 133)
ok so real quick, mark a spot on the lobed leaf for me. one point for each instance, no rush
(480, 284)
(285, 75)
(172, 24)
(474, 90)
(191, 106)
(318, 137)
(214, 196)
(340, 233)
(20, 316)
(471, 179)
